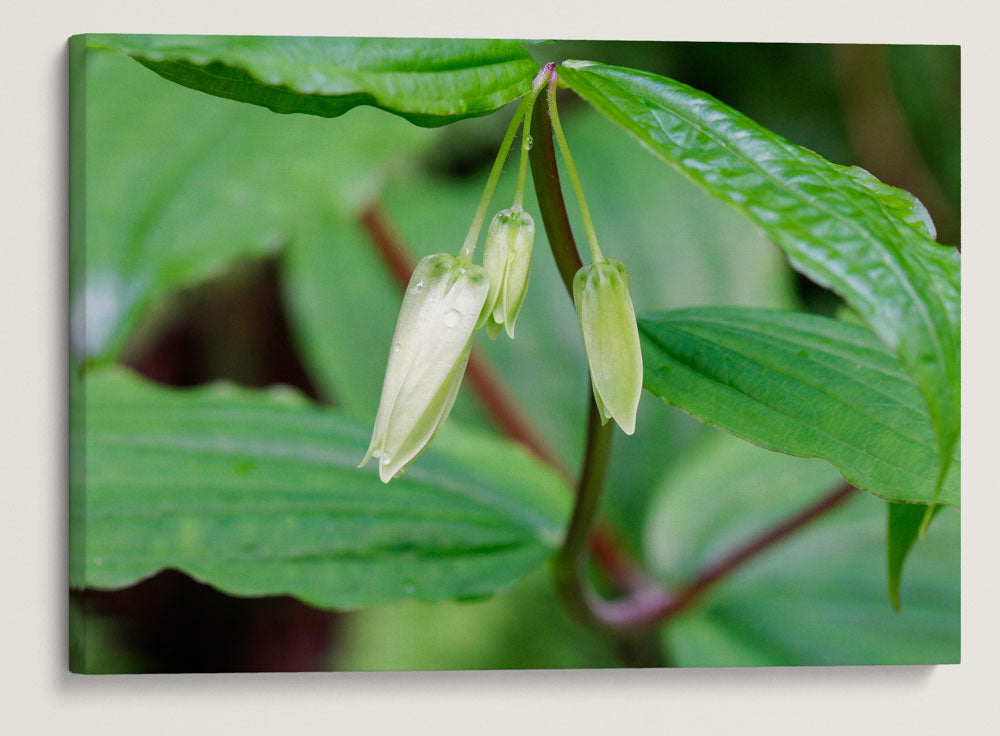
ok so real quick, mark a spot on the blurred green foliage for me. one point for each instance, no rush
(818, 597)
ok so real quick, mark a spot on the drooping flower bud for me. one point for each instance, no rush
(430, 349)
(611, 339)
(507, 260)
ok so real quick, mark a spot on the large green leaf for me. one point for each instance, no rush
(815, 598)
(179, 184)
(801, 384)
(429, 81)
(839, 226)
(258, 494)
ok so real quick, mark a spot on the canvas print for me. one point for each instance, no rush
(424, 354)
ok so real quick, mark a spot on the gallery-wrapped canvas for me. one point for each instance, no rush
(420, 354)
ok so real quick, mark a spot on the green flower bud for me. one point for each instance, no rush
(507, 260)
(611, 339)
(430, 349)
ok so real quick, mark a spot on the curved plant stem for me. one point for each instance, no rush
(645, 604)
(545, 174)
(570, 561)
(469, 246)
(570, 576)
(581, 200)
(644, 609)
(526, 141)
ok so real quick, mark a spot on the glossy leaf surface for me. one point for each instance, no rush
(429, 81)
(839, 226)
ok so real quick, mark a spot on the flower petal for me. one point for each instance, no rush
(430, 349)
(611, 339)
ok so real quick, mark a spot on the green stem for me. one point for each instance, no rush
(569, 566)
(588, 223)
(569, 563)
(647, 605)
(469, 246)
(526, 141)
(545, 174)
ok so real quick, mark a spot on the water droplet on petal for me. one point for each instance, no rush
(396, 347)
(386, 458)
(452, 317)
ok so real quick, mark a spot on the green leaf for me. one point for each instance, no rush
(840, 227)
(898, 202)
(179, 185)
(815, 598)
(903, 529)
(258, 494)
(428, 81)
(804, 385)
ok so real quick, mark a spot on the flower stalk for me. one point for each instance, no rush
(588, 223)
(646, 605)
(447, 298)
(521, 114)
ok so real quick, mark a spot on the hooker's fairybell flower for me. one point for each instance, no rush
(611, 339)
(430, 349)
(507, 260)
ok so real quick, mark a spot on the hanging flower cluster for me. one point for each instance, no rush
(449, 297)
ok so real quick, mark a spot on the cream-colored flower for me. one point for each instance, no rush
(430, 349)
(611, 339)
(507, 260)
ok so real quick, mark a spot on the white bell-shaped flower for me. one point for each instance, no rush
(611, 339)
(507, 260)
(430, 349)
